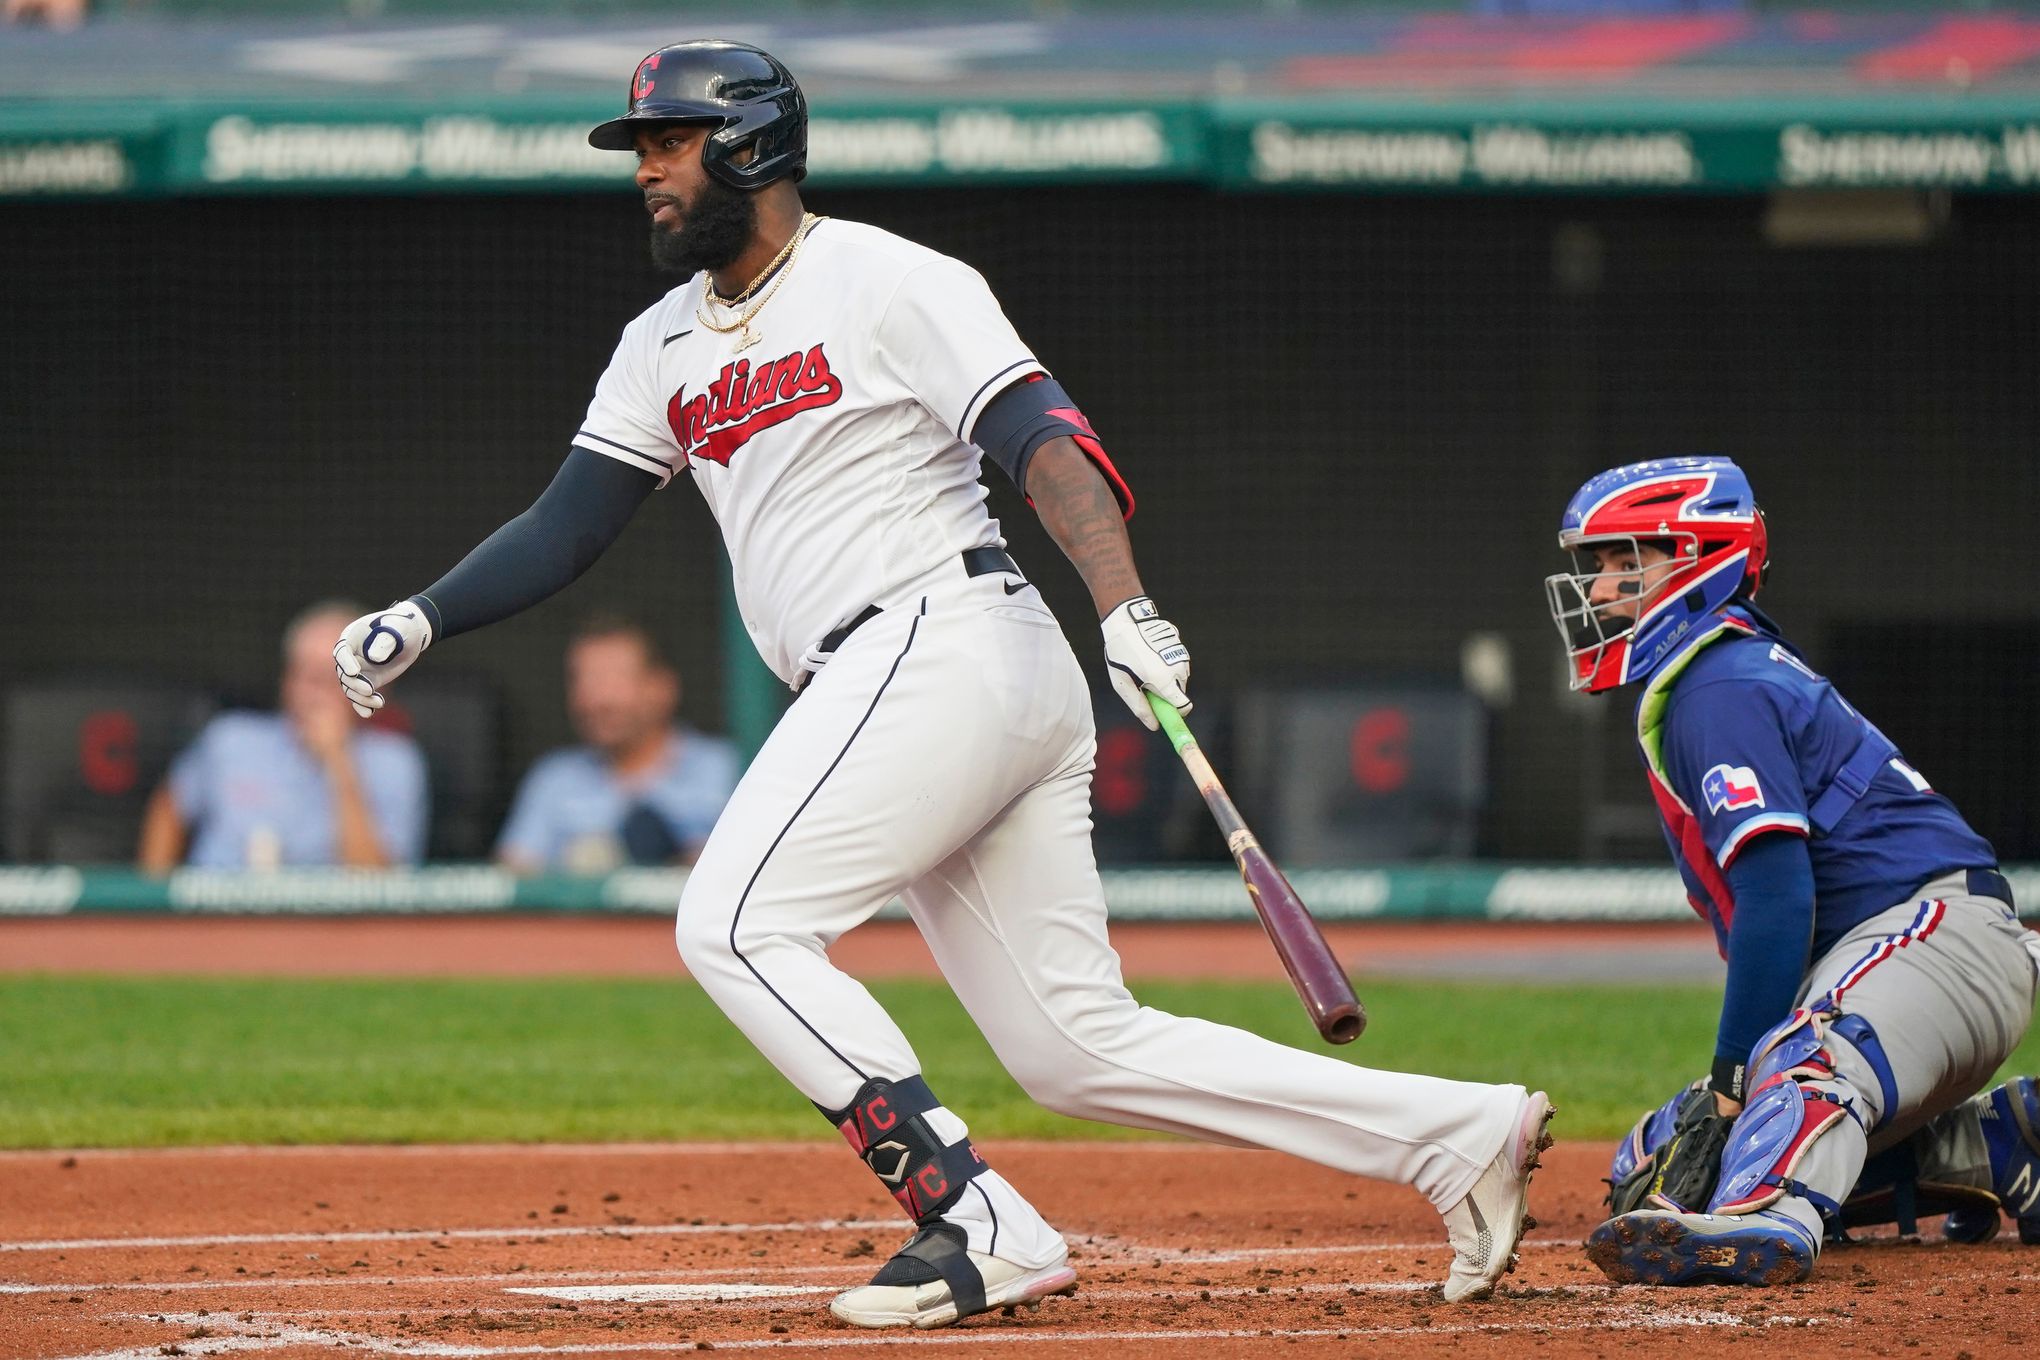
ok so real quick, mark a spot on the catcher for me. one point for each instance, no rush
(1877, 972)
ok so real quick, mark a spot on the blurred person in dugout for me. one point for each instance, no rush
(641, 788)
(47, 13)
(305, 785)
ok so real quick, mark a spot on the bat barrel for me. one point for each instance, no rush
(1320, 982)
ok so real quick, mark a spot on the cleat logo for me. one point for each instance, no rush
(1715, 1256)
(2026, 1183)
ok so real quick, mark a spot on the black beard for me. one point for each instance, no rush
(714, 231)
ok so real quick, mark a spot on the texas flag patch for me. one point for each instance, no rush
(1731, 788)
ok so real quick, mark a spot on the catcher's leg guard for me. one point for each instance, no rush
(1794, 1101)
(886, 1125)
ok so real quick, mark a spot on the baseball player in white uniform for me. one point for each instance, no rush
(832, 390)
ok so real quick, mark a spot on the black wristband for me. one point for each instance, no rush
(1727, 1078)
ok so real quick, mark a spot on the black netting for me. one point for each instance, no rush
(1351, 423)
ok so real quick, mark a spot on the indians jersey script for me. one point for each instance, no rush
(835, 452)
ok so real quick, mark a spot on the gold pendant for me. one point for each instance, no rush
(746, 337)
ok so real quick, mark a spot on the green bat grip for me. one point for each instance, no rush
(1171, 721)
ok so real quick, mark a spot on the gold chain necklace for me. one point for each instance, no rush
(788, 254)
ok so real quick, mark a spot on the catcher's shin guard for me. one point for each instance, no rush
(1786, 1114)
(886, 1124)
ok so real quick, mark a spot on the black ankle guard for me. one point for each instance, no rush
(884, 1126)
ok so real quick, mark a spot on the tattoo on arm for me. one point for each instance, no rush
(1081, 514)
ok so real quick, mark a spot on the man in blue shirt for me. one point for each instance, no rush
(1877, 972)
(305, 785)
(640, 790)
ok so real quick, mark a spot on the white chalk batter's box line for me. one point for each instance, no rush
(620, 1231)
(257, 1335)
(1123, 1255)
(730, 1297)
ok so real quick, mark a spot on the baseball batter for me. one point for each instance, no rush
(832, 391)
(1877, 973)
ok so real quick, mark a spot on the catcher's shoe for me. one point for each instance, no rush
(1485, 1226)
(935, 1280)
(2011, 1131)
(1652, 1246)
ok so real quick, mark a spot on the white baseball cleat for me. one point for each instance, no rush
(935, 1280)
(1485, 1226)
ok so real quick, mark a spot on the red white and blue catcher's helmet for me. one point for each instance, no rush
(1702, 512)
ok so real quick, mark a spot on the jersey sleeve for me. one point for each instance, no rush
(627, 419)
(944, 336)
(1728, 750)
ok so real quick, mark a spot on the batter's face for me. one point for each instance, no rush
(617, 696)
(1626, 578)
(698, 222)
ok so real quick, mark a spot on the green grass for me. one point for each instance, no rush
(91, 1061)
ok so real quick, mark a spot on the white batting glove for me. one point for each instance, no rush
(377, 648)
(1143, 651)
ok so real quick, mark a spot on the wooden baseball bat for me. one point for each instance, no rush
(1326, 992)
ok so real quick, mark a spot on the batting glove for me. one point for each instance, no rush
(1143, 651)
(377, 648)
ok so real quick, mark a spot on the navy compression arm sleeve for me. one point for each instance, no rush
(1029, 414)
(540, 552)
(1768, 942)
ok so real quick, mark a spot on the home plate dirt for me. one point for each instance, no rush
(480, 1252)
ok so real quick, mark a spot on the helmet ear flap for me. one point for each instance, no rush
(1759, 569)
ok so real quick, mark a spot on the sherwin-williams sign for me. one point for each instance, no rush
(1709, 147)
(502, 148)
(60, 150)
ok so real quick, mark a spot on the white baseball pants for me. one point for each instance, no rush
(944, 755)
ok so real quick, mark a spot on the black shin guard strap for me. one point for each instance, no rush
(937, 1252)
(885, 1126)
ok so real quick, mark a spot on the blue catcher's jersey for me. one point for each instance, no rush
(1749, 738)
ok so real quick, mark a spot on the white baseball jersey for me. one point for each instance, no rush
(835, 452)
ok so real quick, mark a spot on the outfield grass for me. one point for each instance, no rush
(89, 1061)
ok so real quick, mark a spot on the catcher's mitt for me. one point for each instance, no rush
(1680, 1172)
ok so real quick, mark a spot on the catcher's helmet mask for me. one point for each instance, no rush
(1702, 513)
(749, 98)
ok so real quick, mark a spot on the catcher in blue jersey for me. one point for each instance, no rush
(1877, 971)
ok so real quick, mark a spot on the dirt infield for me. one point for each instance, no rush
(639, 1250)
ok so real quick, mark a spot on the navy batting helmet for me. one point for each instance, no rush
(749, 98)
